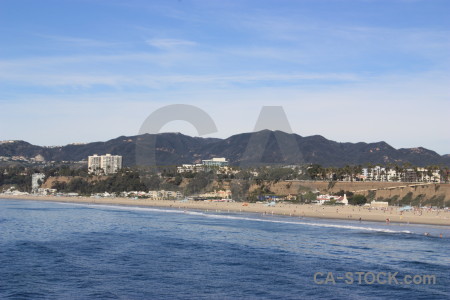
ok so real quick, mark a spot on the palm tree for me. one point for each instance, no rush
(445, 173)
(399, 170)
(386, 170)
(382, 175)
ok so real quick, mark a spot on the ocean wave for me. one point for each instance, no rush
(218, 216)
(310, 224)
(123, 207)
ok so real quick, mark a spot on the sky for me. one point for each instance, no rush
(349, 70)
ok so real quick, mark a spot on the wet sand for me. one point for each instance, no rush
(422, 216)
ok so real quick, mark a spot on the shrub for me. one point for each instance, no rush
(358, 200)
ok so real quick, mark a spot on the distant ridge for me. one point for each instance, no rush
(177, 148)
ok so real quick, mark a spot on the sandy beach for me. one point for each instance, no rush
(422, 216)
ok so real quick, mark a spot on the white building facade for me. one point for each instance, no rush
(36, 180)
(215, 162)
(106, 164)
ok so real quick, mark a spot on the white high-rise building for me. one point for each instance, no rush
(94, 164)
(107, 164)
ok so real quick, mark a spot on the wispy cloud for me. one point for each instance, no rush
(170, 43)
(77, 41)
(361, 111)
(319, 38)
(155, 81)
(327, 62)
(87, 60)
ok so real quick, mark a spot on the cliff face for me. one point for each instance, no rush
(264, 147)
(429, 194)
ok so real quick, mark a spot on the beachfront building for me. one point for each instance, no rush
(104, 164)
(379, 204)
(36, 180)
(445, 175)
(323, 199)
(215, 162)
(410, 175)
(185, 168)
(216, 194)
(111, 163)
(94, 164)
(45, 192)
(164, 195)
(378, 173)
(418, 174)
(428, 175)
(218, 163)
(392, 175)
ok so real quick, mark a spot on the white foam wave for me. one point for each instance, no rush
(120, 207)
(216, 216)
(310, 224)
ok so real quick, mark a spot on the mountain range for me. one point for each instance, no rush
(263, 147)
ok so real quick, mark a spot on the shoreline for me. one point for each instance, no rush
(423, 216)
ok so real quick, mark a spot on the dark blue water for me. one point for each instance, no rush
(74, 251)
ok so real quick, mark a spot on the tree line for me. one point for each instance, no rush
(78, 180)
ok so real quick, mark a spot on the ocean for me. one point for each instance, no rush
(79, 251)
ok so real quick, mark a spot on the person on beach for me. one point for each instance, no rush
(388, 221)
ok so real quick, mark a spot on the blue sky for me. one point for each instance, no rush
(359, 70)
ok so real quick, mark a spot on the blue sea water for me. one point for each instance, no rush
(79, 251)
